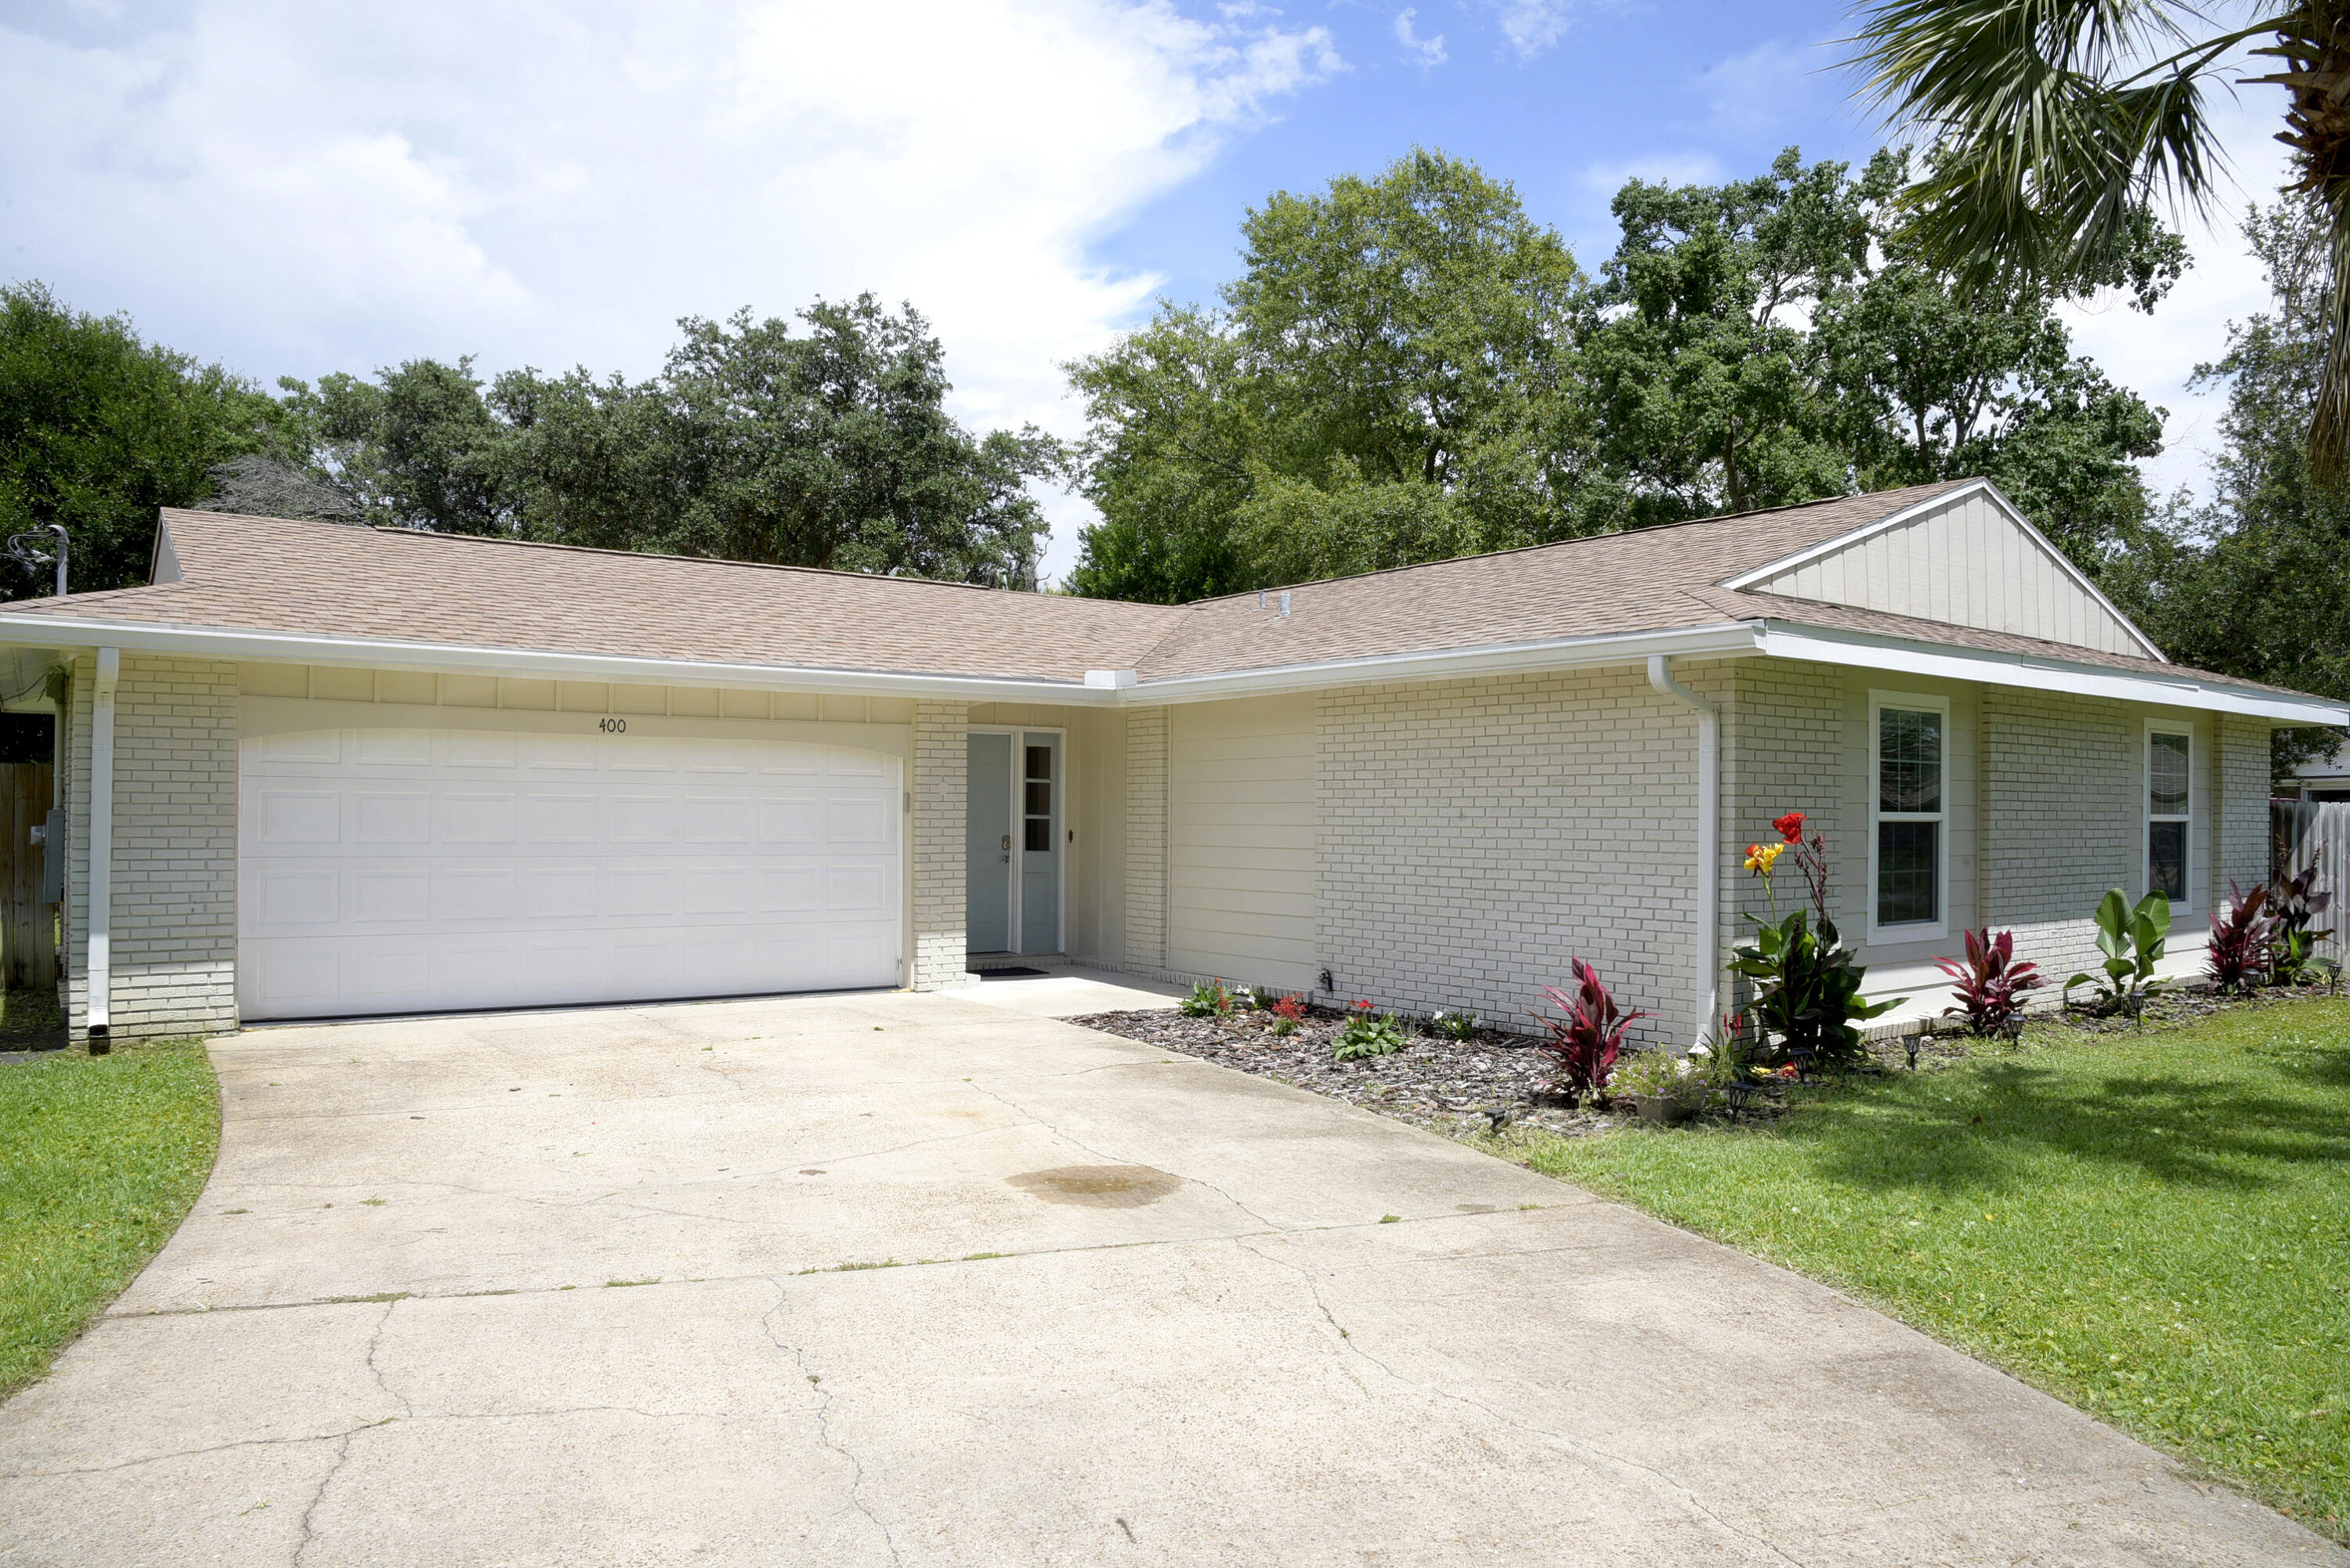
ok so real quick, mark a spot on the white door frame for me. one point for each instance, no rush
(1061, 873)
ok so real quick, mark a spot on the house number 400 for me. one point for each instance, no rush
(613, 726)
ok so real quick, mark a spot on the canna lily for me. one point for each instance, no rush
(1761, 857)
(1790, 826)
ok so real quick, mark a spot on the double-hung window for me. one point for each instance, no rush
(2170, 808)
(1910, 816)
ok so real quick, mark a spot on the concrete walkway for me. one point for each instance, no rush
(612, 1288)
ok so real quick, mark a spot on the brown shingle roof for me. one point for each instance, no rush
(270, 575)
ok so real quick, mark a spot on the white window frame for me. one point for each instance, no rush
(1939, 926)
(2146, 817)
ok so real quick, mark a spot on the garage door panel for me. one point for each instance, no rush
(380, 896)
(384, 818)
(477, 818)
(415, 870)
(393, 749)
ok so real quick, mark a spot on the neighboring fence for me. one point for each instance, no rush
(2319, 831)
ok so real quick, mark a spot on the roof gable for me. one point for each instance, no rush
(1964, 557)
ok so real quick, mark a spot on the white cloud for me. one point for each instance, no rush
(1423, 52)
(1769, 86)
(294, 188)
(1531, 25)
(2154, 356)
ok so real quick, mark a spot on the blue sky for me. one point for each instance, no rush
(292, 188)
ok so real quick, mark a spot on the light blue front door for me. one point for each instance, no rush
(1039, 836)
(987, 845)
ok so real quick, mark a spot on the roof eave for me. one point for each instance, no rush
(2039, 673)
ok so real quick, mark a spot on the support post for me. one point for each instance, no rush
(98, 916)
(1708, 841)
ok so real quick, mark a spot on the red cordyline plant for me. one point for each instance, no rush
(2241, 938)
(1990, 983)
(1587, 1040)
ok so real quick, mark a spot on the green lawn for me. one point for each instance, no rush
(2153, 1227)
(99, 1159)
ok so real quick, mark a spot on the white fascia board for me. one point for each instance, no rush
(1728, 639)
(457, 659)
(1972, 487)
(2040, 674)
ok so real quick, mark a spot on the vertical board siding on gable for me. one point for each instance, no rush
(1966, 564)
(1241, 841)
(1477, 835)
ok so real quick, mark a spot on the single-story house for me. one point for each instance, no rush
(2325, 778)
(317, 770)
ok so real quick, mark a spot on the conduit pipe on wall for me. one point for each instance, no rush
(1709, 840)
(98, 973)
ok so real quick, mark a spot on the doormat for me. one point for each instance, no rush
(1014, 973)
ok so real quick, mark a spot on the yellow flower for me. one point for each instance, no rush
(1761, 857)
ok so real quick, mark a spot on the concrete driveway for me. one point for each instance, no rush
(922, 1279)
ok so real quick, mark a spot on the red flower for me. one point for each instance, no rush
(1790, 826)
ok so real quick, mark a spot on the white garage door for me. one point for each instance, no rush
(391, 870)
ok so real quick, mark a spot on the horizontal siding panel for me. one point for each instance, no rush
(1241, 833)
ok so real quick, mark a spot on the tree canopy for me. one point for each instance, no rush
(98, 429)
(1410, 368)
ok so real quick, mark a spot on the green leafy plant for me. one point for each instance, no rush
(1369, 1034)
(1586, 1039)
(1288, 1013)
(1808, 986)
(1683, 1083)
(1263, 998)
(1209, 998)
(1460, 1025)
(2132, 940)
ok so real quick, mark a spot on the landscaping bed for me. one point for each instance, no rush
(101, 1158)
(1447, 1084)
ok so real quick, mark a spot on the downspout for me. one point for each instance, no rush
(98, 973)
(1709, 840)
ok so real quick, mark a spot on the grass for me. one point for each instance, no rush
(99, 1159)
(2154, 1227)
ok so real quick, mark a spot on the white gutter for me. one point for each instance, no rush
(1709, 842)
(98, 974)
(1120, 688)
(1871, 651)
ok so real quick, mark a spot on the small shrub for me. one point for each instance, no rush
(1586, 1041)
(1460, 1025)
(1369, 1034)
(1263, 998)
(2241, 940)
(1291, 1009)
(1808, 984)
(2132, 940)
(1681, 1082)
(1990, 983)
(1209, 998)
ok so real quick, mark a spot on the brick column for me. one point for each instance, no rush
(1145, 839)
(941, 760)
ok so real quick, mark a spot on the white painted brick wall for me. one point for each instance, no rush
(2241, 821)
(941, 765)
(1146, 840)
(174, 864)
(1477, 834)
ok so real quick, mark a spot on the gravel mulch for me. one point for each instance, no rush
(1448, 1085)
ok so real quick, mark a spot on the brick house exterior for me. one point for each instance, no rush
(1431, 788)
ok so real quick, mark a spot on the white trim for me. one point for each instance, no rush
(1013, 930)
(2147, 819)
(98, 973)
(1869, 650)
(1938, 927)
(1709, 842)
(1728, 639)
(1910, 513)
